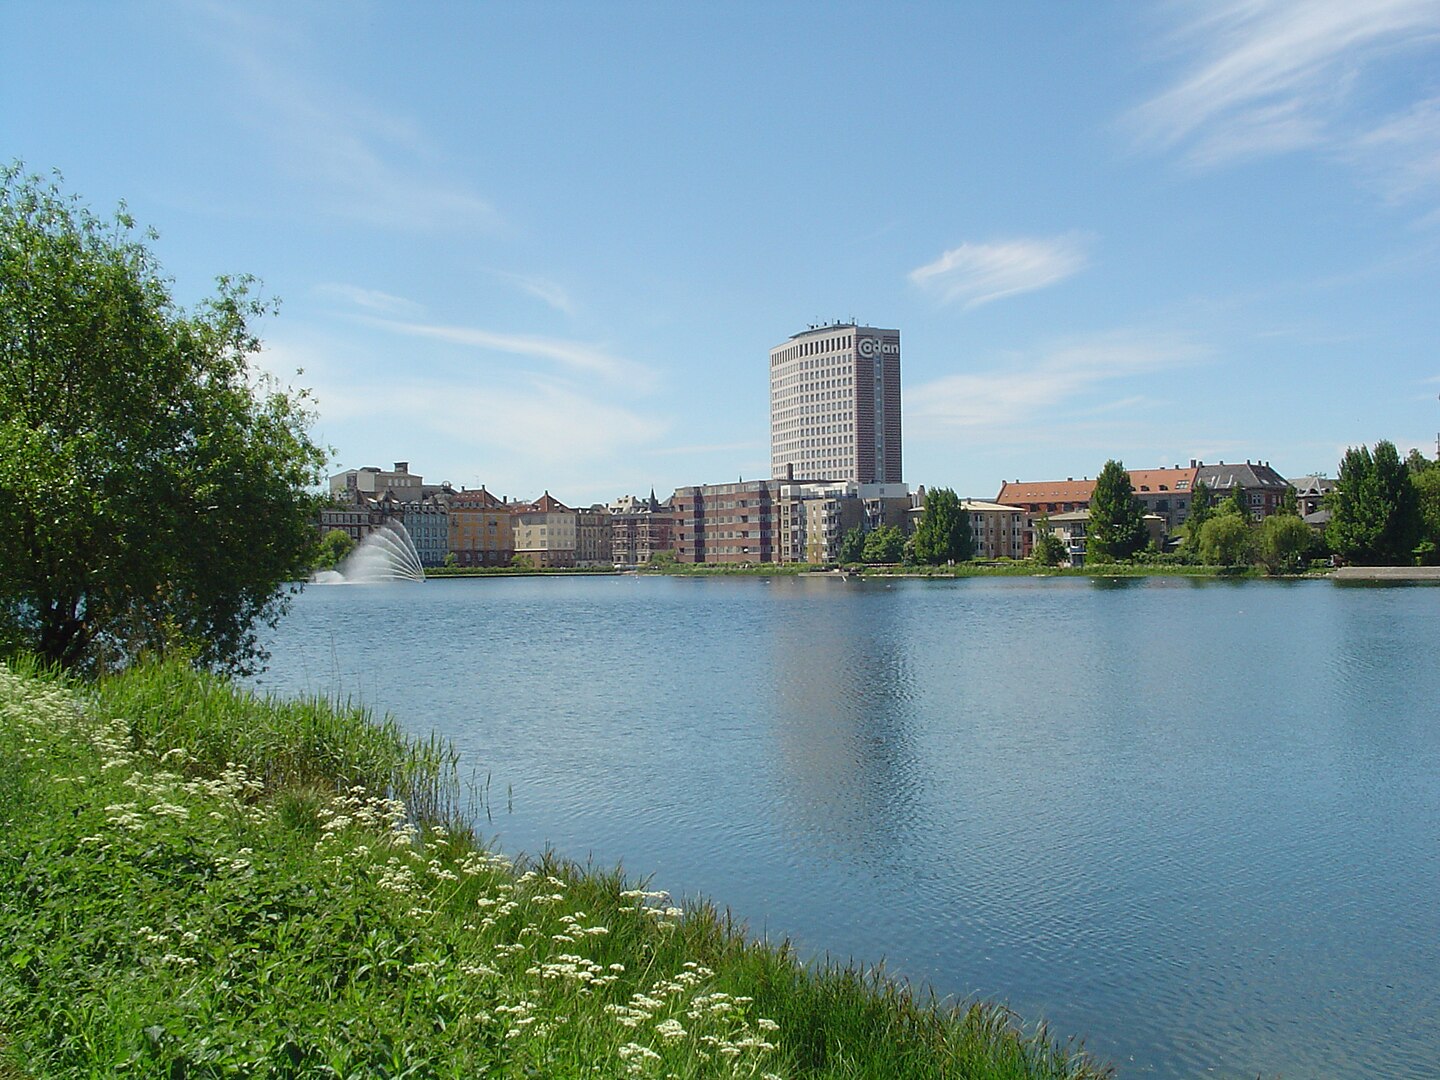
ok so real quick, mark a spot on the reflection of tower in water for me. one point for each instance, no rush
(844, 717)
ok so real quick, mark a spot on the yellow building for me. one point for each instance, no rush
(546, 532)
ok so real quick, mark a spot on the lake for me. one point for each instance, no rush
(1195, 822)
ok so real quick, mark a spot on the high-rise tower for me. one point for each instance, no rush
(835, 405)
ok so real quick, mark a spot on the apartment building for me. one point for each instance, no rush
(726, 523)
(546, 532)
(481, 529)
(835, 405)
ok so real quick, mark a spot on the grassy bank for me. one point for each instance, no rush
(961, 570)
(514, 571)
(199, 883)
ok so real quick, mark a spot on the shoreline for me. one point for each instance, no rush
(268, 885)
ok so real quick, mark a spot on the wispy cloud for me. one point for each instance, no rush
(1402, 155)
(360, 162)
(979, 273)
(1271, 76)
(577, 356)
(542, 289)
(712, 448)
(545, 422)
(370, 299)
(1028, 387)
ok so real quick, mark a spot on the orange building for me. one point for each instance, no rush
(481, 529)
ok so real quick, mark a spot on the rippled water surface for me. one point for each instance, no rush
(1197, 823)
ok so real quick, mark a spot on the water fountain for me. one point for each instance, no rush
(387, 554)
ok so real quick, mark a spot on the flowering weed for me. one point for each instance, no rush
(220, 895)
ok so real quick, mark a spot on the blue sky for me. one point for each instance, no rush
(547, 246)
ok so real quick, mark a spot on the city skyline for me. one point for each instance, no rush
(551, 246)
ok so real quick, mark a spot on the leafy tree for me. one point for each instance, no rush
(885, 544)
(1418, 463)
(1235, 503)
(1427, 493)
(1375, 511)
(1117, 520)
(154, 489)
(334, 546)
(1284, 542)
(852, 546)
(1201, 509)
(451, 560)
(1227, 540)
(1289, 501)
(943, 534)
(1049, 549)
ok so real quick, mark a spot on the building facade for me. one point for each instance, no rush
(813, 518)
(594, 537)
(1310, 493)
(835, 405)
(726, 523)
(481, 530)
(997, 532)
(357, 485)
(428, 523)
(639, 529)
(546, 532)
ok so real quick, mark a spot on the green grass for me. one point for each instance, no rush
(199, 883)
(731, 569)
(960, 570)
(516, 571)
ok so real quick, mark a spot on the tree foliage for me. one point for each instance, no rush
(1201, 510)
(1235, 503)
(852, 546)
(884, 544)
(1049, 549)
(943, 534)
(1227, 540)
(1117, 520)
(1425, 478)
(154, 490)
(1375, 510)
(334, 546)
(1289, 501)
(1283, 542)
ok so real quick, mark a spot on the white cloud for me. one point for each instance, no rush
(1028, 388)
(575, 355)
(371, 299)
(359, 162)
(1271, 76)
(542, 289)
(534, 425)
(980, 273)
(1402, 154)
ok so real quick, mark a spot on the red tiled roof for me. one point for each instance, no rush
(1150, 480)
(480, 499)
(1022, 494)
